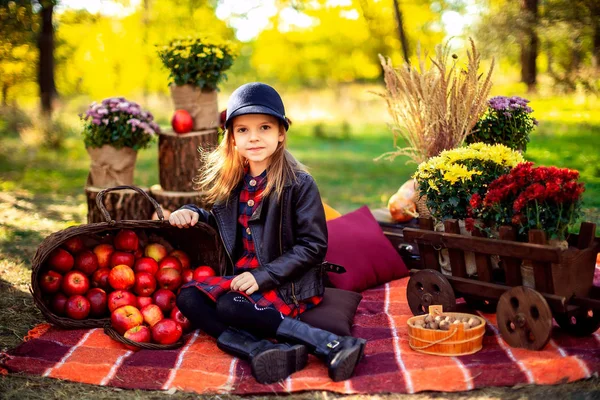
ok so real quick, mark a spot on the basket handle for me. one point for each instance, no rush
(104, 211)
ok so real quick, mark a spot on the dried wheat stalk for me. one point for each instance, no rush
(434, 109)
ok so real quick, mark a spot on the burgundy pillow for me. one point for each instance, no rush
(357, 242)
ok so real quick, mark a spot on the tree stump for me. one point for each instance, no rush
(179, 158)
(121, 205)
(171, 201)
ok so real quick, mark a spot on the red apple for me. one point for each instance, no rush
(140, 334)
(166, 331)
(100, 279)
(182, 121)
(122, 258)
(120, 298)
(168, 278)
(103, 252)
(202, 272)
(121, 277)
(77, 307)
(152, 314)
(126, 240)
(86, 262)
(75, 282)
(143, 301)
(59, 301)
(183, 258)
(165, 299)
(146, 264)
(145, 284)
(73, 245)
(187, 275)
(61, 261)
(156, 251)
(98, 302)
(50, 282)
(125, 318)
(138, 253)
(170, 262)
(177, 316)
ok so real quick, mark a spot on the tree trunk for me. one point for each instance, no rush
(529, 44)
(121, 205)
(401, 32)
(171, 201)
(179, 159)
(46, 60)
(5, 94)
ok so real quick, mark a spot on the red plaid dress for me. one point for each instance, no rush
(215, 286)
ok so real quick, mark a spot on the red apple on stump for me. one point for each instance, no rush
(125, 318)
(178, 317)
(61, 261)
(165, 299)
(98, 302)
(145, 284)
(50, 282)
(168, 278)
(202, 272)
(100, 279)
(156, 251)
(183, 258)
(120, 298)
(103, 252)
(122, 258)
(170, 262)
(138, 253)
(59, 301)
(74, 245)
(166, 331)
(146, 264)
(75, 282)
(182, 121)
(77, 307)
(121, 277)
(140, 334)
(86, 261)
(143, 301)
(152, 314)
(126, 240)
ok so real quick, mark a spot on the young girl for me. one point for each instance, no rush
(270, 217)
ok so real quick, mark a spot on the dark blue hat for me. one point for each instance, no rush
(255, 98)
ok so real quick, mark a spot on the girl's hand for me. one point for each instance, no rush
(184, 218)
(244, 282)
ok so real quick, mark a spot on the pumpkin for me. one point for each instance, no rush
(598, 258)
(402, 209)
(408, 189)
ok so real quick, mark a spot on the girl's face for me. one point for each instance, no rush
(256, 137)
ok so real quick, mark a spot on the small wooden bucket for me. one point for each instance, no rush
(457, 341)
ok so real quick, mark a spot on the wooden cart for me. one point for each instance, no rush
(563, 287)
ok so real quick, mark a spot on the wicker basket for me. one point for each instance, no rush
(201, 242)
(457, 341)
(137, 345)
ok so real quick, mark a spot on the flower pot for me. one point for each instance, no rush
(202, 105)
(421, 203)
(111, 166)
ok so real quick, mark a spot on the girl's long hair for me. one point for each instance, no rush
(223, 169)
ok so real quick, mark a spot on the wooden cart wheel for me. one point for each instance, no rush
(583, 322)
(524, 318)
(429, 287)
(484, 305)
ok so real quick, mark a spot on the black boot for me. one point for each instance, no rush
(341, 353)
(270, 362)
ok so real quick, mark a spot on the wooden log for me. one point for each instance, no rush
(179, 158)
(171, 201)
(121, 205)
(429, 255)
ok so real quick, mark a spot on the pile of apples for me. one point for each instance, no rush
(136, 286)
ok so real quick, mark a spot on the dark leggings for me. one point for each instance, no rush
(231, 309)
